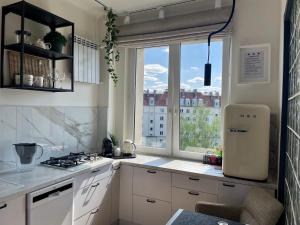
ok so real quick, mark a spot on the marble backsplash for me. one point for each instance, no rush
(59, 129)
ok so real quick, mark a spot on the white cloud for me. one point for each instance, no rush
(194, 68)
(150, 78)
(185, 86)
(161, 87)
(166, 50)
(219, 78)
(158, 82)
(195, 80)
(153, 69)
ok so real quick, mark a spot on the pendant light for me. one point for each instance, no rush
(208, 66)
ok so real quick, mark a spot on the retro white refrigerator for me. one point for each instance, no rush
(246, 141)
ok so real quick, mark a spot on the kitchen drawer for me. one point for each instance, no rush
(96, 174)
(187, 199)
(152, 183)
(148, 211)
(88, 218)
(13, 212)
(90, 197)
(232, 194)
(195, 183)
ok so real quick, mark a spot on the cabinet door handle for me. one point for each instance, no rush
(151, 171)
(96, 171)
(193, 193)
(3, 206)
(194, 179)
(228, 185)
(117, 168)
(151, 201)
(95, 185)
(97, 210)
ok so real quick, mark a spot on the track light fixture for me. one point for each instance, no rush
(161, 13)
(127, 19)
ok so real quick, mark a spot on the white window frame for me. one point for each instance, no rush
(173, 113)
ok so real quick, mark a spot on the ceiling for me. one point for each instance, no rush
(123, 6)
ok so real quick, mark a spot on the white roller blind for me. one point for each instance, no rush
(174, 29)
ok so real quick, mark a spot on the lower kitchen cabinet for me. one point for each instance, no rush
(125, 209)
(13, 212)
(115, 195)
(149, 211)
(187, 199)
(232, 193)
(90, 197)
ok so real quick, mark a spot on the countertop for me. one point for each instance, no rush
(42, 176)
(192, 168)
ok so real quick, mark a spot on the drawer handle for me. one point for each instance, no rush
(96, 171)
(97, 210)
(3, 206)
(193, 193)
(229, 185)
(194, 179)
(151, 201)
(151, 171)
(117, 168)
(95, 185)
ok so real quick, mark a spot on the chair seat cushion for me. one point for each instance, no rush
(260, 208)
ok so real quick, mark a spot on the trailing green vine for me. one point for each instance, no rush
(110, 41)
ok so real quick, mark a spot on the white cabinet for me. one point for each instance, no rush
(152, 183)
(195, 183)
(92, 191)
(88, 179)
(187, 199)
(115, 195)
(232, 194)
(125, 209)
(149, 211)
(90, 197)
(13, 212)
(88, 218)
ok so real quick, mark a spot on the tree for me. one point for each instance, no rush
(197, 131)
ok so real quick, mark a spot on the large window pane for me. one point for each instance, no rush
(200, 106)
(152, 99)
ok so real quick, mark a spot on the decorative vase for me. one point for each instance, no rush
(57, 47)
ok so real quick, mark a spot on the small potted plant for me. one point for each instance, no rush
(56, 39)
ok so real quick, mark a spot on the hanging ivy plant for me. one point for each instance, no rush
(112, 55)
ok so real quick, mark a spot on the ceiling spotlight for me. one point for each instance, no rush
(161, 13)
(127, 19)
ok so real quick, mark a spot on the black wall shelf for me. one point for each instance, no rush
(36, 51)
(28, 11)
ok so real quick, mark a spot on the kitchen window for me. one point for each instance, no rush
(190, 124)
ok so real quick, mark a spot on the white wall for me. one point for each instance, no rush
(257, 22)
(87, 24)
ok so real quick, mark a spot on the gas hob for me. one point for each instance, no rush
(72, 160)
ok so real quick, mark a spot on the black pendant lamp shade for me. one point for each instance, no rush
(207, 74)
(208, 66)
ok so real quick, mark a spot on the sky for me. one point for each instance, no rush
(193, 59)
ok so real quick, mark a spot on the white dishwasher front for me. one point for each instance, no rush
(52, 205)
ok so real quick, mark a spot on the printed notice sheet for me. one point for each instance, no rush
(254, 64)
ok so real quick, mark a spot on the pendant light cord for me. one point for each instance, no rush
(221, 29)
